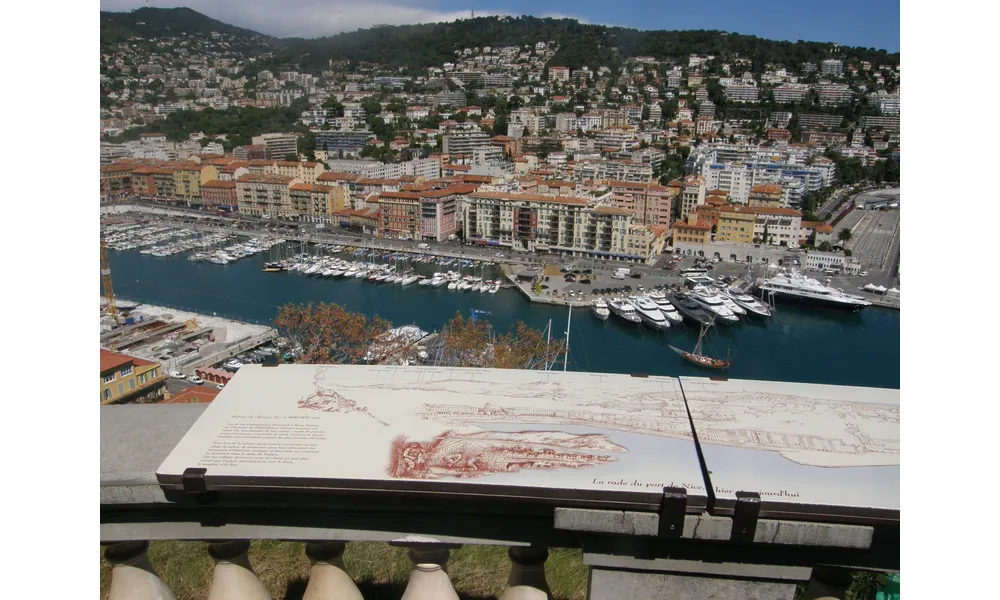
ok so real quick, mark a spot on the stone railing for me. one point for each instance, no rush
(636, 552)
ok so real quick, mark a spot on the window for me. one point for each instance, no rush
(121, 389)
(127, 370)
(109, 378)
(107, 394)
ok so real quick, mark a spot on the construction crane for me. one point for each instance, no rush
(109, 292)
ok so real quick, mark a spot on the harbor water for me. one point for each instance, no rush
(796, 344)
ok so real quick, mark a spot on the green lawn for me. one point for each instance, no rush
(381, 571)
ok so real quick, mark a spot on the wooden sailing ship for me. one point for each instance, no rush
(696, 357)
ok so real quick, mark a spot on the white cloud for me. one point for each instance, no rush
(310, 18)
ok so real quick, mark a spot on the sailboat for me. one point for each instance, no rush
(696, 357)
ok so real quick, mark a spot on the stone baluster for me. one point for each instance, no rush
(233, 578)
(328, 578)
(132, 577)
(428, 579)
(827, 583)
(527, 574)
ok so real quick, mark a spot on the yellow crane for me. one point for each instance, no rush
(109, 292)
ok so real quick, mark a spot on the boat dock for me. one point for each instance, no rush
(180, 340)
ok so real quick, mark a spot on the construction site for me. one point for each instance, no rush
(181, 342)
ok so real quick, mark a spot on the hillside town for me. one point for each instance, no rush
(502, 147)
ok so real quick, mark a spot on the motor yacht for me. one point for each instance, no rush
(749, 303)
(728, 302)
(690, 309)
(624, 311)
(453, 285)
(649, 312)
(711, 302)
(669, 310)
(600, 309)
(495, 287)
(795, 287)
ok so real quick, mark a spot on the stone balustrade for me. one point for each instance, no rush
(628, 553)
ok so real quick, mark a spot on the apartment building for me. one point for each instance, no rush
(691, 190)
(736, 224)
(790, 93)
(399, 215)
(766, 195)
(217, 194)
(265, 194)
(465, 142)
(777, 226)
(889, 123)
(820, 120)
(826, 138)
(692, 232)
(558, 74)
(709, 211)
(440, 211)
(349, 143)
(648, 203)
(834, 94)
(532, 222)
(278, 145)
(742, 92)
(187, 183)
(831, 66)
(317, 203)
(129, 380)
(116, 182)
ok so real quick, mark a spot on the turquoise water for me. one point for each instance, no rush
(797, 344)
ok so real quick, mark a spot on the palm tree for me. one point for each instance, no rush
(845, 236)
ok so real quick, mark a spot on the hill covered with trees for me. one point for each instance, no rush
(419, 46)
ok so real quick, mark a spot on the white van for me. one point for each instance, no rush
(623, 270)
(423, 246)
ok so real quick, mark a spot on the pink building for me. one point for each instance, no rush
(649, 203)
(439, 212)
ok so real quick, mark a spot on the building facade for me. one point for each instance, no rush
(126, 379)
(260, 195)
(649, 203)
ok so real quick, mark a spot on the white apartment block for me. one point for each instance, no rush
(831, 66)
(790, 93)
(832, 94)
(742, 92)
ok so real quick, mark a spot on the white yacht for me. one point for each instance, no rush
(495, 287)
(426, 281)
(600, 309)
(624, 311)
(749, 303)
(407, 280)
(796, 287)
(729, 303)
(453, 285)
(711, 302)
(649, 312)
(669, 310)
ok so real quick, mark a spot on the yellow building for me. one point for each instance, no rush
(126, 379)
(317, 203)
(736, 224)
(692, 232)
(187, 183)
(270, 195)
(767, 195)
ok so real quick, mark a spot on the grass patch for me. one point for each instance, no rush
(381, 571)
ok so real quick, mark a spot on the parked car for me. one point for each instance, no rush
(177, 375)
(196, 380)
(864, 273)
(499, 255)
(636, 276)
(219, 386)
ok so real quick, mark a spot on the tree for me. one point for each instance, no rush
(371, 106)
(825, 246)
(328, 333)
(844, 235)
(290, 157)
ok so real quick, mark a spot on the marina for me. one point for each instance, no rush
(795, 344)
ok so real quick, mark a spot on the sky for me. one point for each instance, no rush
(867, 23)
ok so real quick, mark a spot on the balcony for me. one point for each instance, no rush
(355, 543)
